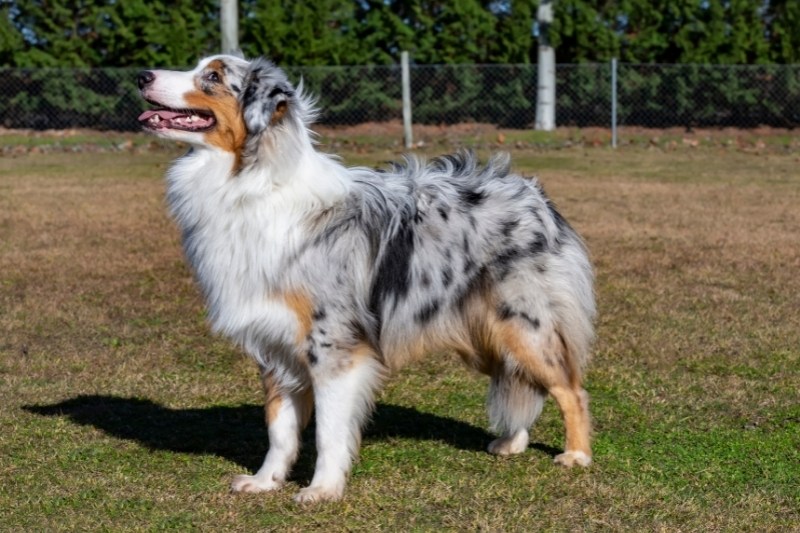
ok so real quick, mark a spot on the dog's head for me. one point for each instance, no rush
(225, 102)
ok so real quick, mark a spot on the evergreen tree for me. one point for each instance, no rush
(722, 31)
(41, 33)
(782, 20)
(10, 39)
(57, 33)
(513, 40)
(383, 33)
(109, 32)
(412, 24)
(301, 33)
(464, 31)
(649, 28)
(746, 27)
(147, 33)
(692, 31)
(435, 32)
(584, 31)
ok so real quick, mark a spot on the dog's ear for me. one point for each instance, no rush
(267, 98)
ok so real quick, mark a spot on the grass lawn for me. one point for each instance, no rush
(120, 412)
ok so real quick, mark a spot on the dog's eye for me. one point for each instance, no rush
(213, 77)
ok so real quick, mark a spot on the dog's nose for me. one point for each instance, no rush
(145, 78)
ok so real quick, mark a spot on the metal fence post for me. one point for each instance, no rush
(406, 79)
(613, 102)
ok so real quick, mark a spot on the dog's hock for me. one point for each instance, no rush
(267, 97)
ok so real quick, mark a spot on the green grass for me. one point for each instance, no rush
(119, 411)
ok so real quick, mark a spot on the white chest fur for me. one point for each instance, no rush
(238, 232)
(241, 231)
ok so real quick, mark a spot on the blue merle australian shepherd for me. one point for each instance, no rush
(331, 277)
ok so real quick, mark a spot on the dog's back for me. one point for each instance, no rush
(451, 233)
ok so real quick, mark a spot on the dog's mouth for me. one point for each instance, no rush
(177, 119)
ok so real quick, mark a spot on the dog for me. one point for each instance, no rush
(332, 277)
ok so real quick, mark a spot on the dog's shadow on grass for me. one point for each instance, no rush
(239, 434)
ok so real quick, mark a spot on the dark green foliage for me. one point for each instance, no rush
(783, 30)
(582, 32)
(676, 31)
(461, 32)
(514, 38)
(352, 95)
(301, 33)
(106, 32)
(10, 38)
(49, 33)
(45, 34)
(649, 95)
(709, 95)
(713, 31)
(497, 94)
(48, 98)
(144, 33)
(583, 95)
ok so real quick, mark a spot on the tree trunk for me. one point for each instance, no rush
(546, 83)
(229, 26)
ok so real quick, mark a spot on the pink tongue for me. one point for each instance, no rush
(165, 114)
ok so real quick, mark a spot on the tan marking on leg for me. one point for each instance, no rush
(357, 354)
(302, 306)
(308, 407)
(574, 405)
(273, 402)
(561, 381)
(566, 359)
(481, 350)
(513, 340)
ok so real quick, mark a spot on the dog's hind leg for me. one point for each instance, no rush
(287, 413)
(343, 396)
(514, 404)
(574, 405)
(544, 357)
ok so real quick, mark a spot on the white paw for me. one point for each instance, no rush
(319, 494)
(245, 483)
(571, 458)
(509, 445)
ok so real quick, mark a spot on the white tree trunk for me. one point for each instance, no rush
(546, 83)
(546, 91)
(408, 140)
(229, 26)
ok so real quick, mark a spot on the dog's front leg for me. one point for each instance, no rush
(343, 397)
(287, 413)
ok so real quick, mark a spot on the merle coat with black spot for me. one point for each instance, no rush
(330, 277)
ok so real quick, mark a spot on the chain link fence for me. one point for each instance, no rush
(655, 96)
